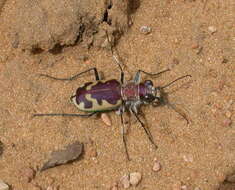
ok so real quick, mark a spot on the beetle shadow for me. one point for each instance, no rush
(165, 102)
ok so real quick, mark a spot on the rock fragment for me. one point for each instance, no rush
(3, 186)
(227, 122)
(125, 181)
(156, 166)
(70, 153)
(212, 29)
(28, 174)
(135, 178)
(145, 30)
(45, 25)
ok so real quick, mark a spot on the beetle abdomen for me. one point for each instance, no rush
(98, 96)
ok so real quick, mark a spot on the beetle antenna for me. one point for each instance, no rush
(176, 80)
(114, 57)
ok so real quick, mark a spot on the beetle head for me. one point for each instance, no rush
(154, 95)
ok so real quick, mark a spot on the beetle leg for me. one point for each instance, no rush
(137, 77)
(116, 59)
(124, 136)
(75, 76)
(148, 133)
(180, 112)
(64, 114)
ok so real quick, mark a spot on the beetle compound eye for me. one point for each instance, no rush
(149, 98)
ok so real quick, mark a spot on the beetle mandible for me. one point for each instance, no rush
(109, 95)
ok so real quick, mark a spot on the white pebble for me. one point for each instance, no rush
(184, 187)
(135, 178)
(228, 114)
(145, 29)
(125, 181)
(212, 29)
(188, 158)
(156, 166)
(197, 188)
(176, 185)
(3, 186)
(105, 118)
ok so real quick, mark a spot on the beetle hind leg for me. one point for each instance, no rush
(97, 77)
(64, 114)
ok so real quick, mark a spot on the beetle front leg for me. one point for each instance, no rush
(75, 76)
(148, 133)
(124, 136)
(177, 110)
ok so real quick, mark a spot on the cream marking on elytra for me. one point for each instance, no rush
(95, 106)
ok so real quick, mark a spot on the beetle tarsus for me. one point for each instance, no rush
(179, 112)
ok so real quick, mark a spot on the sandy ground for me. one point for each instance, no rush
(200, 154)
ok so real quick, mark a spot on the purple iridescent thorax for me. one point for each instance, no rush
(92, 95)
(133, 91)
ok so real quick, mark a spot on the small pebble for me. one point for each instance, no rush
(125, 181)
(188, 158)
(184, 187)
(176, 185)
(229, 104)
(214, 110)
(212, 29)
(91, 149)
(228, 114)
(156, 166)
(199, 50)
(3, 186)
(52, 188)
(135, 178)
(176, 41)
(114, 186)
(195, 46)
(130, 22)
(197, 188)
(28, 174)
(88, 62)
(227, 122)
(83, 58)
(105, 118)
(224, 60)
(175, 61)
(145, 29)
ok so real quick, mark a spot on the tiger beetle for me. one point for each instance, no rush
(110, 95)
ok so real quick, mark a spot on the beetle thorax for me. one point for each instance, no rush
(130, 91)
